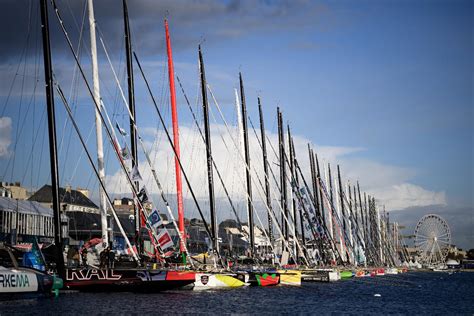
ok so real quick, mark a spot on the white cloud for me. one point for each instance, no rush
(389, 184)
(405, 195)
(5, 136)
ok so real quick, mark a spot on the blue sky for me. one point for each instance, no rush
(384, 88)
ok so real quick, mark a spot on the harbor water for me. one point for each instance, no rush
(409, 293)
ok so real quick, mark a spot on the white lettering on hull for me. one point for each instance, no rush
(18, 282)
(86, 275)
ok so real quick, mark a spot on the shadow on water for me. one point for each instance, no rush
(410, 293)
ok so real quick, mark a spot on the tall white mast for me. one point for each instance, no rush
(98, 126)
(240, 138)
(239, 123)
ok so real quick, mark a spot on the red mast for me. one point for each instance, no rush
(174, 116)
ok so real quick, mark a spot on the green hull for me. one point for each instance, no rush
(346, 274)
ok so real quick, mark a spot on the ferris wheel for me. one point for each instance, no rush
(432, 239)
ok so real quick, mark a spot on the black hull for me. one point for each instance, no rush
(129, 280)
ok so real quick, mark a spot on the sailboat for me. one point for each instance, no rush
(136, 279)
(216, 279)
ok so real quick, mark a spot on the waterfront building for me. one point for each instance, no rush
(22, 220)
(71, 200)
(16, 191)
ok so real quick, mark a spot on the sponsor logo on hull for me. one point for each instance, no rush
(90, 274)
(18, 282)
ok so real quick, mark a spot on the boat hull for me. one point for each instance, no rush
(290, 277)
(346, 274)
(24, 282)
(127, 280)
(209, 281)
(316, 275)
(253, 278)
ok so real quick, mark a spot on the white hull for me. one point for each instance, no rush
(209, 281)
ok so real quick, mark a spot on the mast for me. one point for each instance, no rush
(314, 181)
(318, 176)
(361, 216)
(366, 225)
(48, 78)
(265, 169)
(174, 115)
(329, 210)
(292, 173)
(283, 196)
(131, 104)
(247, 169)
(210, 172)
(240, 128)
(298, 194)
(341, 196)
(98, 126)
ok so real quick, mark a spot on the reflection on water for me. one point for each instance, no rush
(410, 293)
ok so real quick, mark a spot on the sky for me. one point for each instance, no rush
(382, 88)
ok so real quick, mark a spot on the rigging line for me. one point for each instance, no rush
(35, 137)
(151, 165)
(172, 146)
(253, 204)
(41, 147)
(80, 157)
(36, 71)
(261, 147)
(72, 95)
(79, 47)
(162, 193)
(299, 197)
(320, 218)
(302, 205)
(212, 158)
(240, 177)
(108, 131)
(68, 110)
(260, 187)
(351, 217)
(22, 55)
(260, 183)
(334, 216)
(114, 95)
(17, 132)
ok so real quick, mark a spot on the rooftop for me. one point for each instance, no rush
(69, 196)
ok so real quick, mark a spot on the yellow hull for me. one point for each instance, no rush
(290, 277)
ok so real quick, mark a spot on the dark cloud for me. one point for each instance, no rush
(190, 21)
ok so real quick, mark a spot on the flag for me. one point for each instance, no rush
(142, 195)
(135, 174)
(125, 153)
(155, 219)
(38, 255)
(121, 130)
(164, 239)
(134, 248)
